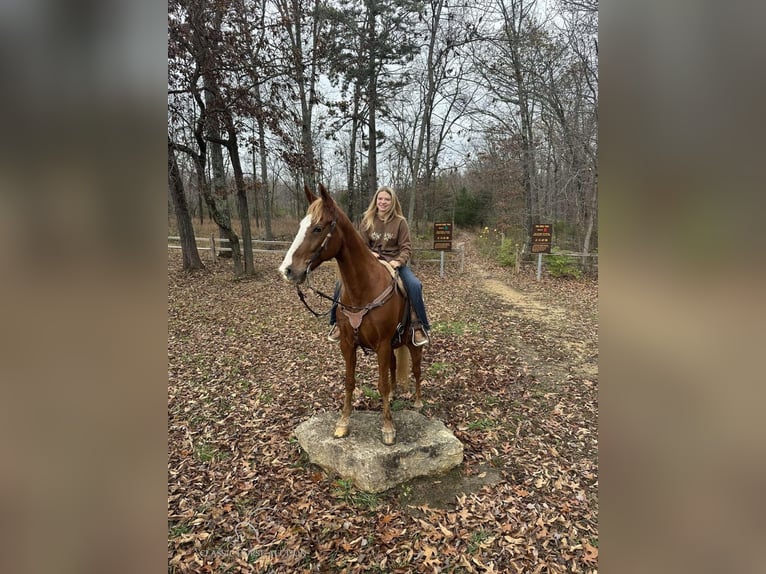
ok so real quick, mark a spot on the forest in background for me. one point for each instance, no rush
(481, 113)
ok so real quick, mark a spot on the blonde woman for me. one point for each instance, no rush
(387, 234)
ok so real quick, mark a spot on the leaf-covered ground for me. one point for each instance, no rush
(511, 371)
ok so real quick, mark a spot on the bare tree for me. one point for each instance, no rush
(505, 63)
(581, 18)
(189, 252)
(192, 52)
(301, 56)
(370, 39)
(438, 98)
(414, 77)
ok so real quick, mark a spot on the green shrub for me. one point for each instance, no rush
(493, 244)
(506, 254)
(560, 265)
(487, 242)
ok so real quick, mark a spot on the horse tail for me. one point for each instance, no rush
(403, 366)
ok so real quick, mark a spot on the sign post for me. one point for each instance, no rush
(542, 233)
(442, 242)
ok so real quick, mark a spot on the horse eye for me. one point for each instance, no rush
(317, 229)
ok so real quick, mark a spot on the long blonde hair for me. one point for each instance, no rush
(368, 218)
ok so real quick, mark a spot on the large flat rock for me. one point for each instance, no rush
(423, 447)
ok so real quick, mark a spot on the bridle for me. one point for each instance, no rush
(319, 250)
(314, 257)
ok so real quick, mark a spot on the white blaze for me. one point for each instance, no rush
(299, 237)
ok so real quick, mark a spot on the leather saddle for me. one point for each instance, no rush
(399, 282)
(403, 326)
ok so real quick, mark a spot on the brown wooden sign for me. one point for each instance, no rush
(542, 233)
(442, 236)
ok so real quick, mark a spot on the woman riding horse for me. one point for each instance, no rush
(387, 234)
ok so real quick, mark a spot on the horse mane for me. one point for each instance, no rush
(315, 210)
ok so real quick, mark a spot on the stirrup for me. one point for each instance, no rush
(426, 339)
(334, 334)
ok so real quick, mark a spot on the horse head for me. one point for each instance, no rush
(315, 241)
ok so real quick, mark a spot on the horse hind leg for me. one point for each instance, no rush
(416, 355)
(402, 375)
(393, 370)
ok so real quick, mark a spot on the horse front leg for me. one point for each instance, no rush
(384, 388)
(349, 355)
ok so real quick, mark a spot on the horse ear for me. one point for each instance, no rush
(310, 197)
(326, 197)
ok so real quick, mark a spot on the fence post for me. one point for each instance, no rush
(441, 264)
(539, 265)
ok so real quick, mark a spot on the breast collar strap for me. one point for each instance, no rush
(356, 314)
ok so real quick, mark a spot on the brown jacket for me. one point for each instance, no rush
(391, 240)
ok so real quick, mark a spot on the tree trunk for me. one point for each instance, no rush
(220, 193)
(528, 154)
(351, 183)
(372, 157)
(372, 96)
(593, 207)
(190, 254)
(428, 104)
(292, 15)
(256, 208)
(264, 170)
(239, 181)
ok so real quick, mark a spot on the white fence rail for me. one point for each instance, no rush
(215, 246)
(221, 244)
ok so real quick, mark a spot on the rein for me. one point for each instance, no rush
(302, 295)
(313, 258)
(379, 301)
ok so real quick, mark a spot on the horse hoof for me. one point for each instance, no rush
(341, 431)
(418, 405)
(389, 437)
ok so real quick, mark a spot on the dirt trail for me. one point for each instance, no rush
(556, 327)
(577, 353)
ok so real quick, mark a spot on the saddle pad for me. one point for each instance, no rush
(392, 271)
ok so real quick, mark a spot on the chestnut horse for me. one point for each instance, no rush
(370, 306)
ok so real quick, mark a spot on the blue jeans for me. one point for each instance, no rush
(414, 291)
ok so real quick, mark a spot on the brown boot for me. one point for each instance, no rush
(334, 334)
(419, 336)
